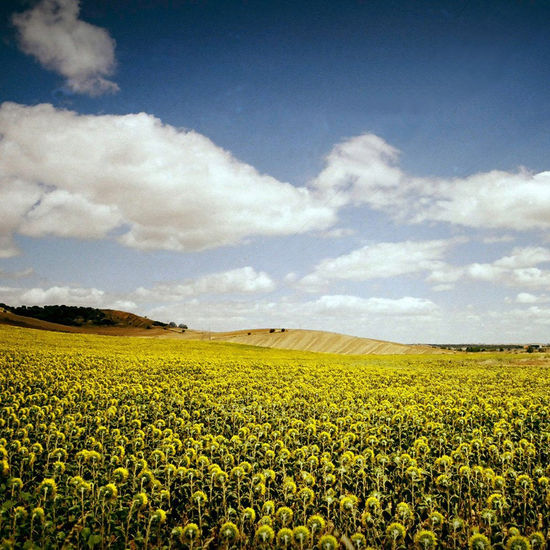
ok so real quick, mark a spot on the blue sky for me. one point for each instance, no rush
(373, 168)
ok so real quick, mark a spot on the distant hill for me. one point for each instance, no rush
(122, 323)
(312, 340)
(80, 320)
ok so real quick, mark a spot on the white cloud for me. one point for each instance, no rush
(524, 257)
(525, 318)
(18, 197)
(518, 201)
(63, 214)
(362, 170)
(160, 187)
(381, 260)
(337, 233)
(518, 269)
(82, 53)
(494, 239)
(526, 298)
(386, 260)
(354, 305)
(244, 280)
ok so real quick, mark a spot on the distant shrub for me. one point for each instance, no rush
(75, 316)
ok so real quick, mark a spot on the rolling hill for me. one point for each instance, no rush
(121, 323)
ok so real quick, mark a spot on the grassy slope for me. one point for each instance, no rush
(128, 324)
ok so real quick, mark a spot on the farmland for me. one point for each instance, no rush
(113, 442)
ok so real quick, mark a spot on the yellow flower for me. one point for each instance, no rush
(328, 542)
(284, 537)
(479, 542)
(396, 531)
(48, 488)
(425, 540)
(264, 534)
(518, 542)
(300, 535)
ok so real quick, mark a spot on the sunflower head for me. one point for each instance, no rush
(300, 535)
(20, 512)
(109, 492)
(190, 532)
(141, 500)
(327, 542)
(425, 540)
(524, 482)
(517, 542)
(48, 487)
(437, 519)
(120, 475)
(284, 537)
(479, 542)
(264, 534)
(268, 507)
(199, 497)
(284, 514)
(358, 540)
(403, 511)
(306, 495)
(348, 503)
(396, 531)
(15, 483)
(159, 516)
(537, 540)
(248, 514)
(316, 523)
(229, 531)
(266, 520)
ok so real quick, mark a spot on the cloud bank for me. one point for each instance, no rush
(381, 260)
(245, 280)
(157, 186)
(154, 186)
(363, 171)
(82, 53)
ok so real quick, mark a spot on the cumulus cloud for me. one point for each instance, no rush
(361, 166)
(353, 305)
(245, 280)
(526, 298)
(156, 186)
(381, 260)
(363, 170)
(82, 53)
(518, 269)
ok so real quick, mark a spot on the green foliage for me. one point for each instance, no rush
(63, 315)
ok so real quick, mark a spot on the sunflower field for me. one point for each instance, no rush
(113, 442)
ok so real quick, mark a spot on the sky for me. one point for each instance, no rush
(373, 168)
